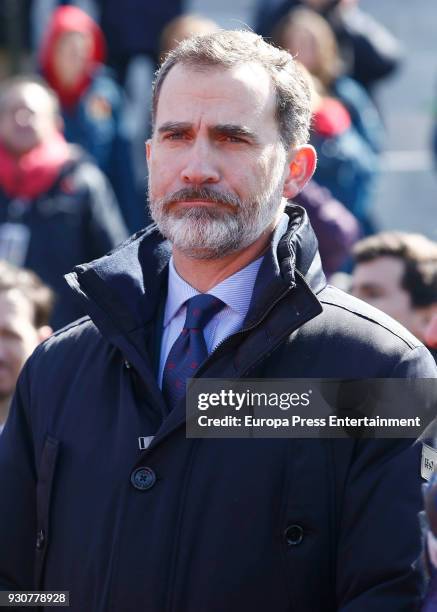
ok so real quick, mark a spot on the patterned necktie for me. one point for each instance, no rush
(189, 349)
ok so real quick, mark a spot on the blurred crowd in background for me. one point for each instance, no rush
(75, 95)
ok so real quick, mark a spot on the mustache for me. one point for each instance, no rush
(201, 193)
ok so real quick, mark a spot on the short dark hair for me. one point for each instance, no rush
(419, 255)
(31, 287)
(229, 48)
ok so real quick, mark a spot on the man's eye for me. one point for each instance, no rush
(233, 139)
(175, 136)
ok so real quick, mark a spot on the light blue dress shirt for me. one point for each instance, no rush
(235, 291)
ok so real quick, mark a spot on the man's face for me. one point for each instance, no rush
(26, 118)
(216, 163)
(18, 338)
(379, 283)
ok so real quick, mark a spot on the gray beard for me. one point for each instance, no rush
(211, 233)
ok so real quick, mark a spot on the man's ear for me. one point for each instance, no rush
(300, 170)
(148, 150)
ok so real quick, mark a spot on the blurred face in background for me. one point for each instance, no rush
(301, 43)
(18, 337)
(379, 283)
(308, 36)
(71, 57)
(27, 118)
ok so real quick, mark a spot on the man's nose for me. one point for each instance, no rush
(200, 167)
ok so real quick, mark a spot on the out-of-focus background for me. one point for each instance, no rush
(406, 194)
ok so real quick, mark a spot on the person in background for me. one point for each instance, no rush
(336, 228)
(56, 207)
(25, 308)
(397, 273)
(308, 35)
(369, 51)
(183, 27)
(72, 59)
(347, 166)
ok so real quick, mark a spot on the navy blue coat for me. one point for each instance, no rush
(228, 525)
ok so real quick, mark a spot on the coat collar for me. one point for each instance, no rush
(121, 291)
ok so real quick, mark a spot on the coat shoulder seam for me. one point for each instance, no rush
(405, 340)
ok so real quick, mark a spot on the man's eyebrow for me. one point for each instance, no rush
(230, 129)
(227, 129)
(174, 126)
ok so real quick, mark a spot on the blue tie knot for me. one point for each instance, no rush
(189, 350)
(201, 309)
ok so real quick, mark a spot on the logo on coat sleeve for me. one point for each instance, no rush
(429, 461)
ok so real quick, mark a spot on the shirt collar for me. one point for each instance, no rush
(235, 291)
(178, 292)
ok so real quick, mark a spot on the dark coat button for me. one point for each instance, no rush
(294, 535)
(143, 478)
(40, 539)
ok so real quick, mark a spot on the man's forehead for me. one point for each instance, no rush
(246, 82)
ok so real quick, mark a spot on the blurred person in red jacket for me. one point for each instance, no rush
(72, 59)
(25, 308)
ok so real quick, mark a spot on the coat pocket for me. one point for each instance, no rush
(43, 494)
